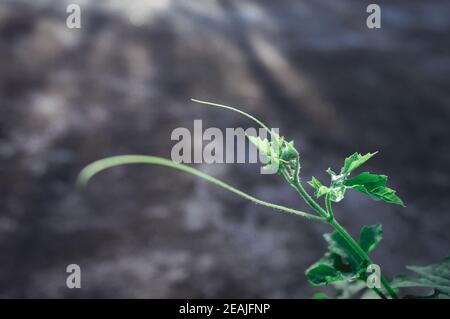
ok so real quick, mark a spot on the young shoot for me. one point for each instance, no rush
(346, 260)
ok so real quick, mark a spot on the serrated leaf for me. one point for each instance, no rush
(435, 277)
(374, 186)
(280, 153)
(370, 236)
(354, 161)
(320, 190)
(367, 183)
(388, 195)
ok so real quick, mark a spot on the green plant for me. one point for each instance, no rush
(345, 263)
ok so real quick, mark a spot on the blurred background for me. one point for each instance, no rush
(122, 83)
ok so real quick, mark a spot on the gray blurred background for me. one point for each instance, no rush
(122, 83)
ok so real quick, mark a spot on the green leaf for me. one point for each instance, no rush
(320, 295)
(348, 261)
(370, 184)
(366, 178)
(370, 236)
(435, 277)
(321, 274)
(289, 152)
(374, 186)
(280, 153)
(339, 263)
(320, 190)
(354, 161)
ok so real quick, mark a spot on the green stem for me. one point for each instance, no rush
(308, 199)
(388, 288)
(257, 121)
(361, 253)
(329, 208)
(92, 169)
(328, 215)
(330, 219)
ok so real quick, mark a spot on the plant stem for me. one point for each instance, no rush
(328, 215)
(94, 168)
(361, 253)
(308, 199)
(328, 207)
(330, 219)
